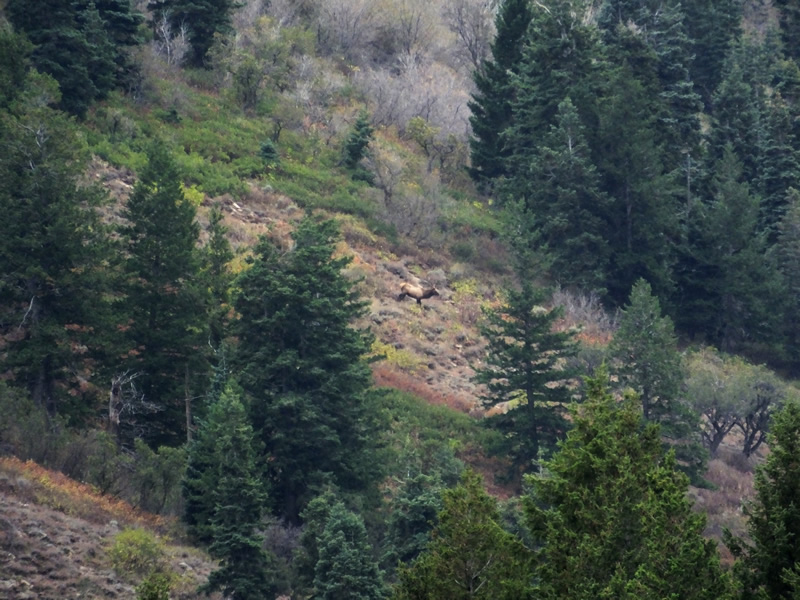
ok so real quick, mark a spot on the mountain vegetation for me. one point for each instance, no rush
(209, 208)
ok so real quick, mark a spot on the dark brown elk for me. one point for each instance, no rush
(416, 291)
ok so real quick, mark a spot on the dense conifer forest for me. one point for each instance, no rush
(208, 209)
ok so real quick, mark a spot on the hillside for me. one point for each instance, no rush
(210, 215)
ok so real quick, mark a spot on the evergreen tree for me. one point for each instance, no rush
(643, 216)
(768, 566)
(75, 44)
(739, 109)
(217, 254)
(15, 51)
(202, 473)
(788, 253)
(356, 147)
(646, 348)
(779, 171)
(652, 38)
(789, 17)
(413, 513)
(712, 26)
(561, 59)
(314, 517)
(203, 18)
(302, 361)
(560, 189)
(53, 280)
(469, 556)
(733, 292)
(524, 368)
(245, 571)
(345, 568)
(491, 103)
(164, 304)
(612, 514)
(646, 352)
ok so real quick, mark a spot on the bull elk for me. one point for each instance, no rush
(417, 292)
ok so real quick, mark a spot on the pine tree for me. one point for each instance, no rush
(302, 361)
(469, 556)
(768, 566)
(561, 59)
(164, 305)
(560, 189)
(645, 348)
(643, 216)
(216, 274)
(612, 516)
(345, 568)
(72, 43)
(245, 571)
(712, 26)
(413, 513)
(53, 280)
(788, 255)
(732, 294)
(524, 368)
(491, 103)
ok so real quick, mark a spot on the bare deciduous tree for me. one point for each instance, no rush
(345, 27)
(169, 43)
(125, 402)
(472, 22)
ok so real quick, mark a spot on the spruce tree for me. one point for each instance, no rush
(54, 283)
(345, 568)
(217, 277)
(469, 556)
(413, 513)
(712, 26)
(767, 566)
(560, 189)
(245, 571)
(164, 305)
(491, 103)
(302, 360)
(524, 368)
(643, 214)
(645, 349)
(788, 255)
(73, 44)
(732, 292)
(561, 59)
(611, 514)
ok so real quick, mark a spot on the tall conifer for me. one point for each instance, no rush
(302, 360)
(612, 516)
(491, 104)
(164, 305)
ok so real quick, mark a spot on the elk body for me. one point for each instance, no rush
(417, 292)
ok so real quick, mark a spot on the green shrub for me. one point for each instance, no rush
(156, 586)
(136, 552)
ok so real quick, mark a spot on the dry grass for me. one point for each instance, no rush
(723, 505)
(386, 376)
(584, 311)
(57, 491)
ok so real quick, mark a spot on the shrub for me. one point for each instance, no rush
(136, 552)
(156, 586)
